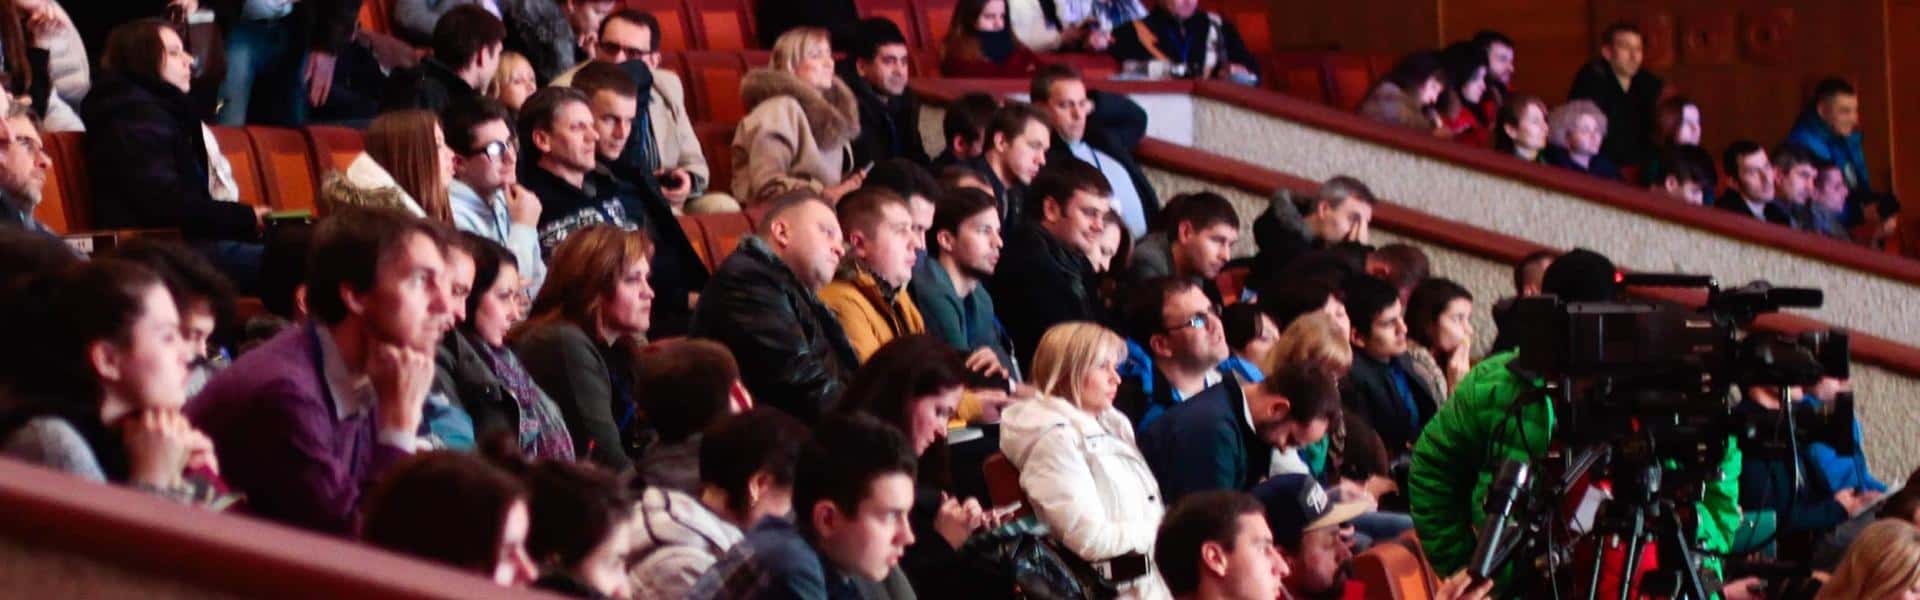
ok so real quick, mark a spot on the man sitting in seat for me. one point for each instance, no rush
(467, 42)
(868, 295)
(1060, 93)
(1217, 546)
(889, 116)
(1017, 141)
(486, 196)
(965, 126)
(663, 140)
(23, 169)
(1200, 44)
(1195, 242)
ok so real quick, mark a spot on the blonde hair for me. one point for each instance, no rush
(791, 47)
(1313, 339)
(1884, 560)
(508, 61)
(402, 143)
(1067, 352)
(1562, 119)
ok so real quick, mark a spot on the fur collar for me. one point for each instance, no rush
(833, 116)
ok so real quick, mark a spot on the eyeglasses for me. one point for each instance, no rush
(623, 52)
(495, 150)
(1199, 320)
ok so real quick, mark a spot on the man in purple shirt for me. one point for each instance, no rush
(308, 420)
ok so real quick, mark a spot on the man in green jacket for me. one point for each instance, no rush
(1458, 452)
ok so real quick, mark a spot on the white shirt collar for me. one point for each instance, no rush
(351, 394)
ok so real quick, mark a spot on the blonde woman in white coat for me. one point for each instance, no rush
(1078, 464)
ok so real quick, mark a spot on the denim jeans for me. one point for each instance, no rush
(264, 64)
(239, 261)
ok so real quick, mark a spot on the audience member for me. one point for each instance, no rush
(460, 377)
(536, 31)
(1225, 437)
(46, 26)
(204, 298)
(868, 294)
(1250, 335)
(1401, 265)
(684, 387)
(1195, 242)
(963, 249)
(623, 35)
(1829, 205)
(761, 305)
(1071, 25)
(1439, 322)
(1528, 276)
(1829, 128)
(458, 510)
(1884, 562)
(557, 132)
(1500, 52)
(359, 371)
(281, 59)
(852, 493)
(513, 82)
(100, 398)
(1340, 211)
(23, 168)
(911, 181)
(580, 534)
(1684, 173)
(1315, 535)
(144, 124)
(800, 124)
(980, 43)
(1383, 386)
(889, 116)
(1793, 176)
(1350, 456)
(577, 341)
(747, 465)
(1623, 91)
(1753, 191)
(663, 144)
(407, 166)
(1060, 94)
(1199, 44)
(1406, 95)
(1078, 465)
(1523, 128)
(467, 42)
(527, 414)
(584, 17)
(1217, 546)
(1676, 122)
(1178, 330)
(1791, 485)
(485, 195)
(1462, 114)
(1307, 296)
(965, 126)
(1017, 145)
(1047, 278)
(1575, 132)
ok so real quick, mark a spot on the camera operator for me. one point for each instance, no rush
(1800, 486)
(1457, 454)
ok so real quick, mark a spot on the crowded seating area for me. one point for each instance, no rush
(714, 299)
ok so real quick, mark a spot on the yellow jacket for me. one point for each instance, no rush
(871, 319)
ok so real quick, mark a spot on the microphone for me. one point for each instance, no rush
(1502, 495)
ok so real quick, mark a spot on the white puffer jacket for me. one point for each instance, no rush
(1087, 481)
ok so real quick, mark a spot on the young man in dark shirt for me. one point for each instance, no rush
(1625, 91)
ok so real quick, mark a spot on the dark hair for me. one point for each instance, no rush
(870, 35)
(955, 207)
(1146, 304)
(189, 276)
(348, 248)
(896, 376)
(1510, 114)
(1011, 120)
(1429, 299)
(847, 454)
(465, 32)
(1413, 70)
(28, 260)
(963, 35)
(684, 386)
(763, 439)
(1241, 323)
(1487, 38)
(1202, 210)
(445, 506)
(1195, 520)
(1730, 158)
(596, 77)
(901, 176)
(1667, 117)
(1300, 297)
(1615, 29)
(967, 117)
(1041, 88)
(463, 116)
(1058, 181)
(634, 16)
(1311, 390)
(861, 209)
(539, 112)
(70, 310)
(574, 506)
(1458, 63)
(785, 202)
(1532, 266)
(1685, 162)
(488, 257)
(1789, 155)
(1407, 264)
(135, 48)
(1366, 297)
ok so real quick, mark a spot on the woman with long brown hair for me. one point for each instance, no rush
(407, 165)
(578, 342)
(979, 43)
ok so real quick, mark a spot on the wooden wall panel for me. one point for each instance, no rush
(1370, 26)
(1903, 73)
(1552, 37)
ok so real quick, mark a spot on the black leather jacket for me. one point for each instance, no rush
(792, 353)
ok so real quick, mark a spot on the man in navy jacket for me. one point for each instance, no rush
(1224, 437)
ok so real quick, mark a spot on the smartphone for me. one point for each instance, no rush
(1000, 513)
(864, 168)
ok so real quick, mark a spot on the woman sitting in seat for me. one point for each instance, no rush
(979, 43)
(800, 124)
(1575, 132)
(407, 165)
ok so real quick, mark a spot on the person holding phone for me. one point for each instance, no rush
(800, 127)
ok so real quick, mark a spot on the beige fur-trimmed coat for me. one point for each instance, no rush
(793, 137)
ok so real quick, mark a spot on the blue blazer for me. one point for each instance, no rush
(1205, 444)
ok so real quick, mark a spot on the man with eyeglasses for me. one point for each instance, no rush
(23, 169)
(1060, 93)
(467, 42)
(1225, 437)
(486, 196)
(1044, 277)
(889, 116)
(1174, 323)
(663, 138)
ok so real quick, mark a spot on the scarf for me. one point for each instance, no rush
(543, 434)
(996, 46)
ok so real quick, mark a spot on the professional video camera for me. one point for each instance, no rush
(1640, 394)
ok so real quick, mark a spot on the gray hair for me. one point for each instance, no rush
(1561, 120)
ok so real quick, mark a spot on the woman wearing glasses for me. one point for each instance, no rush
(798, 133)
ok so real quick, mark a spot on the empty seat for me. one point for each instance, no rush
(676, 24)
(238, 149)
(64, 204)
(1250, 17)
(723, 233)
(1003, 481)
(935, 16)
(334, 147)
(1349, 78)
(716, 144)
(901, 12)
(715, 77)
(1302, 75)
(723, 24)
(287, 161)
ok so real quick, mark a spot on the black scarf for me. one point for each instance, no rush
(996, 46)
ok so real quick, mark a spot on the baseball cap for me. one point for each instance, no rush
(1296, 505)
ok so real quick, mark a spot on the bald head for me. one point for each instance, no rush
(805, 234)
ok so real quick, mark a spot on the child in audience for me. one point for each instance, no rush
(455, 509)
(979, 43)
